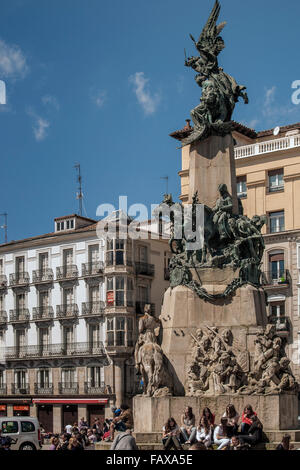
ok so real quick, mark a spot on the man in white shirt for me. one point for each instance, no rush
(68, 429)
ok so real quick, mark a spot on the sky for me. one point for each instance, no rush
(103, 84)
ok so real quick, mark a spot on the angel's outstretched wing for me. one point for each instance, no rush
(210, 31)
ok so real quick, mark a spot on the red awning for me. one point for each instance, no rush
(70, 401)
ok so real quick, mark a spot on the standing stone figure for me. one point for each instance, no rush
(149, 357)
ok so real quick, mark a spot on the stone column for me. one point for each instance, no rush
(211, 164)
(119, 380)
(9, 410)
(33, 410)
(57, 418)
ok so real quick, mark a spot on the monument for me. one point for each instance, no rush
(217, 346)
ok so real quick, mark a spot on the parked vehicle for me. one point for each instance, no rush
(24, 432)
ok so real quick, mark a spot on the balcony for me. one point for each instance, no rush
(67, 311)
(41, 276)
(92, 308)
(270, 146)
(140, 306)
(3, 317)
(22, 389)
(65, 273)
(20, 315)
(66, 388)
(92, 269)
(280, 278)
(43, 389)
(92, 388)
(166, 274)
(3, 281)
(54, 350)
(19, 279)
(3, 389)
(282, 325)
(42, 313)
(144, 269)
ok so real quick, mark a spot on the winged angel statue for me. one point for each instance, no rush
(220, 91)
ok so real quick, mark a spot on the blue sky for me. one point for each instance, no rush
(103, 83)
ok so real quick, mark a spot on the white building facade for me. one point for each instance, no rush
(69, 308)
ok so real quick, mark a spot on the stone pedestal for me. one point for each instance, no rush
(212, 163)
(183, 312)
(276, 412)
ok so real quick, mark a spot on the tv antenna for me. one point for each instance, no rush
(79, 195)
(166, 178)
(5, 225)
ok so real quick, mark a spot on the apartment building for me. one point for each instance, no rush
(268, 182)
(69, 309)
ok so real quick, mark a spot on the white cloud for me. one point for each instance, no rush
(99, 98)
(40, 125)
(12, 61)
(40, 128)
(51, 101)
(148, 101)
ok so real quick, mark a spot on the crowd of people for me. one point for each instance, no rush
(233, 432)
(79, 436)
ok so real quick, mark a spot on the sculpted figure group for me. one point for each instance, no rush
(220, 365)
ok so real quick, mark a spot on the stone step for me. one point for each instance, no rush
(272, 436)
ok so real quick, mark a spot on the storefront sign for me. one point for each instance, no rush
(21, 408)
(2, 407)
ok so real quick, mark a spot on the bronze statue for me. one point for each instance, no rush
(220, 91)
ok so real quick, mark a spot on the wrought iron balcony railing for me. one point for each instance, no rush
(92, 269)
(144, 269)
(43, 389)
(280, 277)
(54, 350)
(19, 315)
(3, 281)
(3, 317)
(3, 389)
(93, 308)
(110, 262)
(19, 279)
(140, 306)
(42, 275)
(68, 388)
(67, 310)
(66, 272)
(22, 389)
(93, 388)
(42, 313)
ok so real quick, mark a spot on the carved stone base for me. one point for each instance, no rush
(276, 412)
(183, 312)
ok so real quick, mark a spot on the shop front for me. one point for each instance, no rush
(21, 410)
(3, 410)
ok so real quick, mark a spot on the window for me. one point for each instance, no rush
(276, 222)
(10, 427)
(120, 284)
(44, 378)
(95, 376)
(68, 377)
(129, 332)
(120, 331)
(129, 293)
(110, 332)
(21, 379)
(277, 309)
(27, 426)
(120, 252)
(276, 262)
(242, 186)
(110, 252)
(2, 379)
(275, 180)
